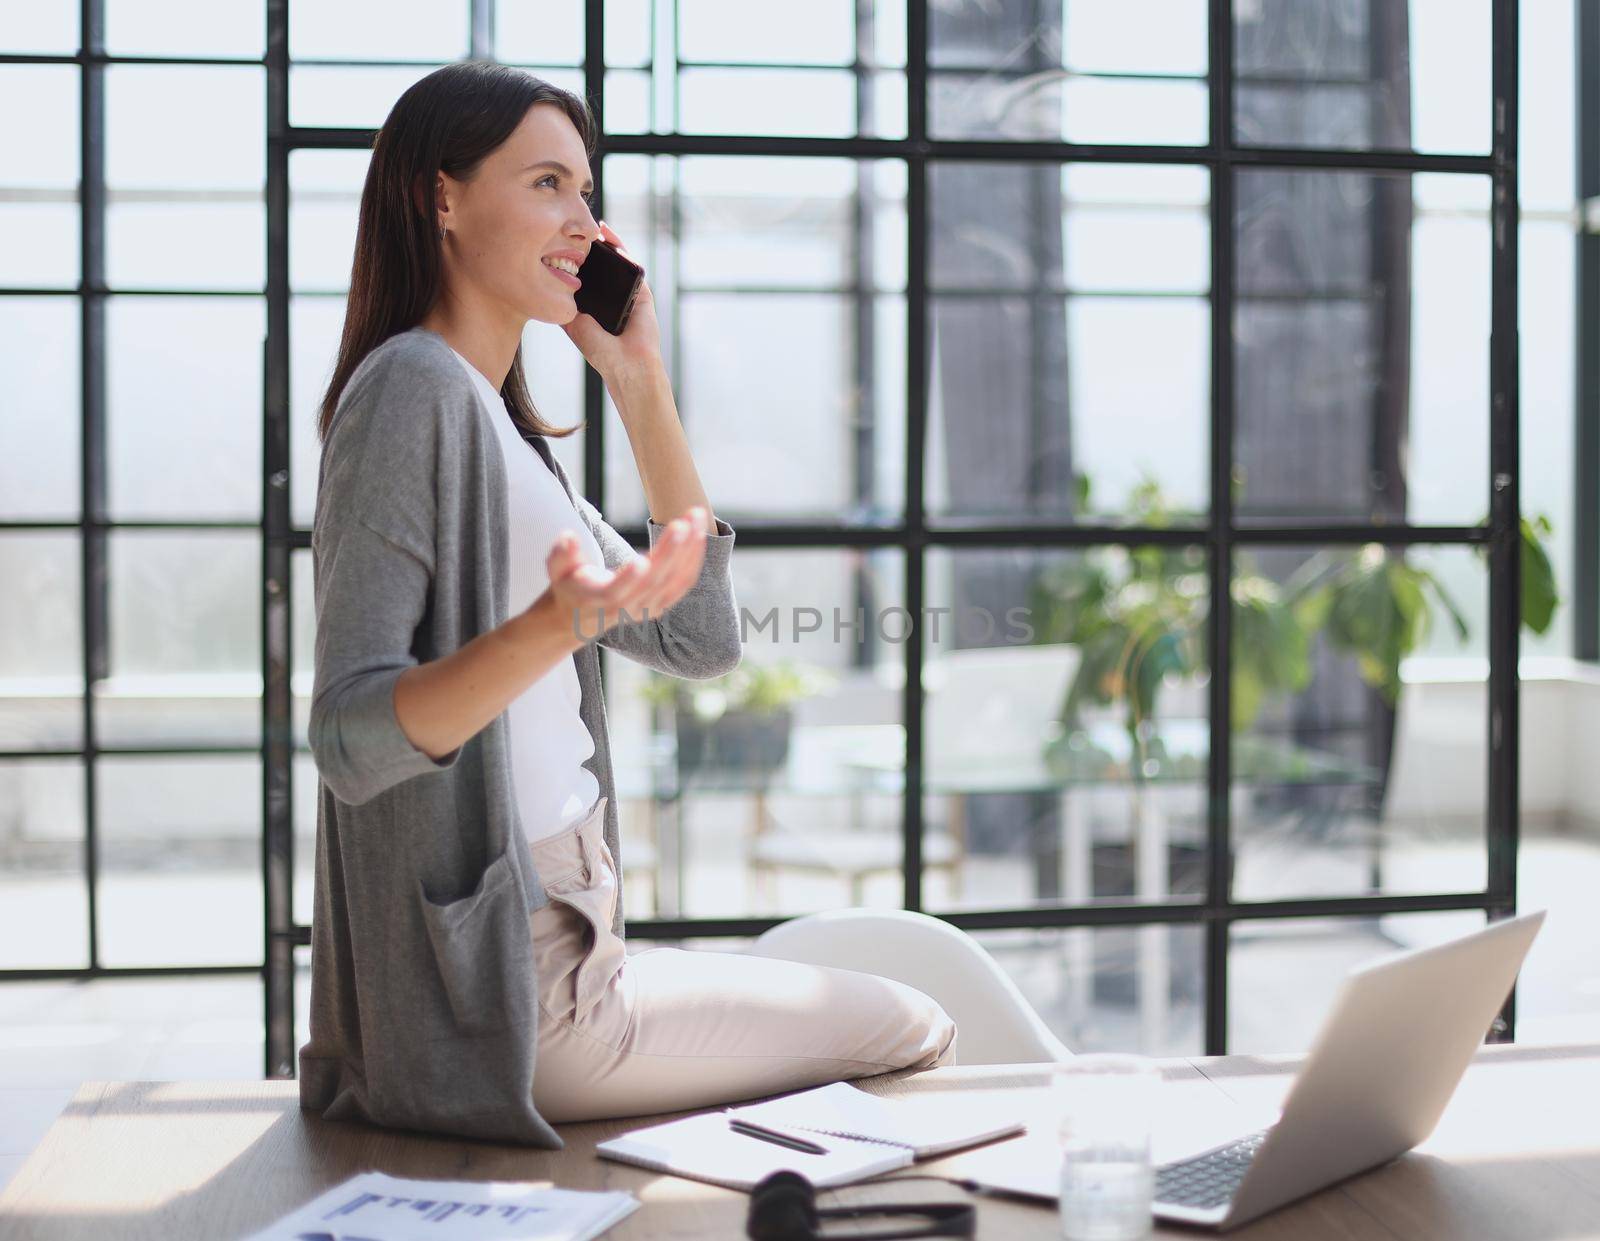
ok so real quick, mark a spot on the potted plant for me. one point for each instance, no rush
(1139, 616)
(739, 722)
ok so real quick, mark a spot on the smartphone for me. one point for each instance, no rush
(610, 285)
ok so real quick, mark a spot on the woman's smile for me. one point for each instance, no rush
(558, 265)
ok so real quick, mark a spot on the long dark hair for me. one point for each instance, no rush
(449, 121)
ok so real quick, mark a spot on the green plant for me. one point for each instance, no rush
(755, 687)
(1139, 616)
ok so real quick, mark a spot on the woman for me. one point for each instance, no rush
(467, 910)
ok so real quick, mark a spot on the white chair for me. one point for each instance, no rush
(994, 1023)
(992, 704)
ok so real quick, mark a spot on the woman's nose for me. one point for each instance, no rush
(585, 225)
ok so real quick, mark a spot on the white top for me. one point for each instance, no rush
(548, 739)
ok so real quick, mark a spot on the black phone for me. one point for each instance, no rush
(610, 285)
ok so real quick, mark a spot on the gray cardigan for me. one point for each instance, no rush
(424, 1004)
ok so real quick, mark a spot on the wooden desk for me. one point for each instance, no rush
(1516, 1158)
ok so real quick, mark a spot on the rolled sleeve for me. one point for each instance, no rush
(698, 637)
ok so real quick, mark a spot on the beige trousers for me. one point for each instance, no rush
(666, 1029)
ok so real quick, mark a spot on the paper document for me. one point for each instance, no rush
(705, 1148)
(926, 1124)
(860, 1135)
(377, 1207)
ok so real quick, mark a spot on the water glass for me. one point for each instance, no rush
(1106, 1104)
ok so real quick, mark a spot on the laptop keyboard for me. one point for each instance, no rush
(1207, 1180)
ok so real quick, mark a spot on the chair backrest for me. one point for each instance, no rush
(995, 1023)
(992, 702)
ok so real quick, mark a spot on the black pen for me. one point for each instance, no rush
(752, 1130)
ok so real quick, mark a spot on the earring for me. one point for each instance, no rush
(441, 232)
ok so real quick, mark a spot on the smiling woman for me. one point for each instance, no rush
(463, 128)
(467, 896)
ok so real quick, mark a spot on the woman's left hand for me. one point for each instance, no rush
(637, 350)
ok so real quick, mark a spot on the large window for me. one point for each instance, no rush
(1014, 338)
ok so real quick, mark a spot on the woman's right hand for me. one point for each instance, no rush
(591, 599)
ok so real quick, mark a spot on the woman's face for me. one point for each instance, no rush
(525, 207)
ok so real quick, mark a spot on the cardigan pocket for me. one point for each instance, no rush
(480, 945)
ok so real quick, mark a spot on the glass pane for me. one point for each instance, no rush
(629, 30)
(1547, 338)
(1140, 112)
(185, 641)
(1363, 74)
(733, 30)
(1361, 335)
(754, 291)
(1126, 227)
(157, 138)
(1283, 974)
(1090, 228)
(41, 430)
(324, 202)
(762, 101)
(1360, 721)
(39, 184)
(40, 29)
(185, 28)
(212, 241)
(185, 207)
(338, 96)
(49, 220)
(1547, 324)
(180, 861)
(1051, 289)
(1102, 989)
(796, 452)
(303, 640)
(888, 33)
(1106, 71)
(1547, 109)
(314, 327)
(44, 898)
(883, 113)
(547, 33)
(307, 790)
(303, 621)
(379, 30)
(628, 106)
(184, 422)
(774, 789)
(1047, 781)
(41, 642)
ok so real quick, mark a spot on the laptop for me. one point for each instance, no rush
(1388, 1057)
(1386, 1061)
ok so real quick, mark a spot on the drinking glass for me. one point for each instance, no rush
(1106, 1103)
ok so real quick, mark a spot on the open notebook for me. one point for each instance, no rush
(861, 1136)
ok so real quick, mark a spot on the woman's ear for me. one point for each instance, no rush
(433, 201)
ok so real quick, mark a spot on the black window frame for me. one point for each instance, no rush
(915, 534)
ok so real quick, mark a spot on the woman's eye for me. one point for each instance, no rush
(554, 178)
